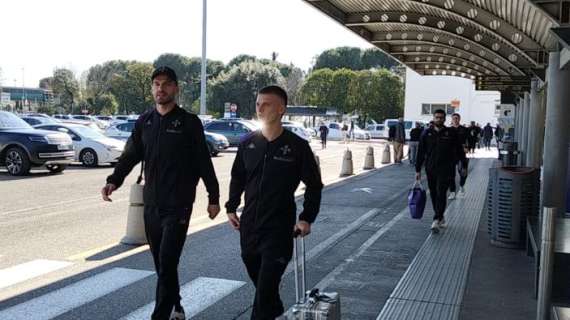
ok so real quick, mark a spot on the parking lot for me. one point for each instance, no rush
(62, 216)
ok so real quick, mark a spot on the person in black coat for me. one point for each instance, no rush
(269, 166)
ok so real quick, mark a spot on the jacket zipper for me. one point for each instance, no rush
(259, 188)
(156, 168)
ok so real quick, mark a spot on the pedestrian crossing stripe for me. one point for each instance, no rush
(197, 296)
(75, 295)
(29, 270)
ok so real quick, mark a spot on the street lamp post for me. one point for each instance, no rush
(204, 62)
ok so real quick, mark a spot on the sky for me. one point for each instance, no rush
(38, 36)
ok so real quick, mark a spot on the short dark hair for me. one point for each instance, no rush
(165, 71)
(276, 90)
(456, 115)
(440, 111)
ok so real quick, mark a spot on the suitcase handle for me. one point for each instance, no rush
(300, 276)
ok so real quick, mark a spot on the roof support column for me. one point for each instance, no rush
(536, 133)
(525, 128)
(556, 135)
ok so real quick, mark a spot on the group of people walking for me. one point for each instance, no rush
(269, 165)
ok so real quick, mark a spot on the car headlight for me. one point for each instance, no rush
(38, 139)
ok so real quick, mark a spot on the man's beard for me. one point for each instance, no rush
(166, 100)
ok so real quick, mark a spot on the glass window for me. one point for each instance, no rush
(426, 108)
(334, 126)
(450, 109)
(11, 121)
(217, 126)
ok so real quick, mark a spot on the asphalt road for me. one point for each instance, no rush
(45, 216)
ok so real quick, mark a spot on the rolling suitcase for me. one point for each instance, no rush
(310, 305)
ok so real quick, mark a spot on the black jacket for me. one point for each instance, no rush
(175, 156)
(392, 132)
(462, 135)
(269, 173)
(415, 134)
(440, 151)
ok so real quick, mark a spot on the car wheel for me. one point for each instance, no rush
(17, 162)
(56, 168)
(88, 158)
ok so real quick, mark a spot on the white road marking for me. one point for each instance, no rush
(65, 299)
(197, 295)
(29, 270)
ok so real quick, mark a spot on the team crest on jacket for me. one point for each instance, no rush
(251, 146)
(176, 123)
(285, 150)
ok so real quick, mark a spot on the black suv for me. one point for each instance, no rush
(23, 147)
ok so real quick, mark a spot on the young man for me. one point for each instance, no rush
(487, 136)
(473, 136)
(269, 166)
(462, 164)
(172, 145)
(440, 150)
(397, 134)
(324, 132)
(415, 135)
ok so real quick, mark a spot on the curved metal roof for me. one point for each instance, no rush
(504, 41)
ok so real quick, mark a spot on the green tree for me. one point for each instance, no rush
(99, 77)
(339, 94)
(240, 84)
(66, 89)
(133, 90)
(338, 58)
(293, 82)
(374, 58)
(316, 91)
(237, 60)
(104, 104)
(376, 94)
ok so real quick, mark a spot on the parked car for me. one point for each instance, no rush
(360, 134)
(62, 116)
(408, 126)
(91, 147)
(298, 130)
(233, 129)
(310, 132)
(216, 143)
(23, 147)
(120, 130)
(37, 120)
(376, 130)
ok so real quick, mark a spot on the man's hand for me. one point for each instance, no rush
(234, 220)
(107, 191)
(418, 176)
(213, 211)
(302, 228)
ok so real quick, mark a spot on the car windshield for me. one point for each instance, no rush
(11, 121)
(88, 132)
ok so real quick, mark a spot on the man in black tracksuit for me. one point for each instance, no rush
(269, 166)
(172, 144)
(439, 149)
(463, 163)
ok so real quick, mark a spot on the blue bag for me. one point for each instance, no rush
(417, 201)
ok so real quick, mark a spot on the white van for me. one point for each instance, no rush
(376, 130)
(408, 125)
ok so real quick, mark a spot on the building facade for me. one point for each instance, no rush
(425, 94)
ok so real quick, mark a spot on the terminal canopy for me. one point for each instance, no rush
(500, 44)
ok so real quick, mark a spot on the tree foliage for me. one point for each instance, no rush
(377, 93)
(240, 84)
(65, 89)
(353, 59)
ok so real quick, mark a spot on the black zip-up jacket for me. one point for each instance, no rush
(440, 151)
(175, 156)
(269, 173)
(415, 134)
(462, 135)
